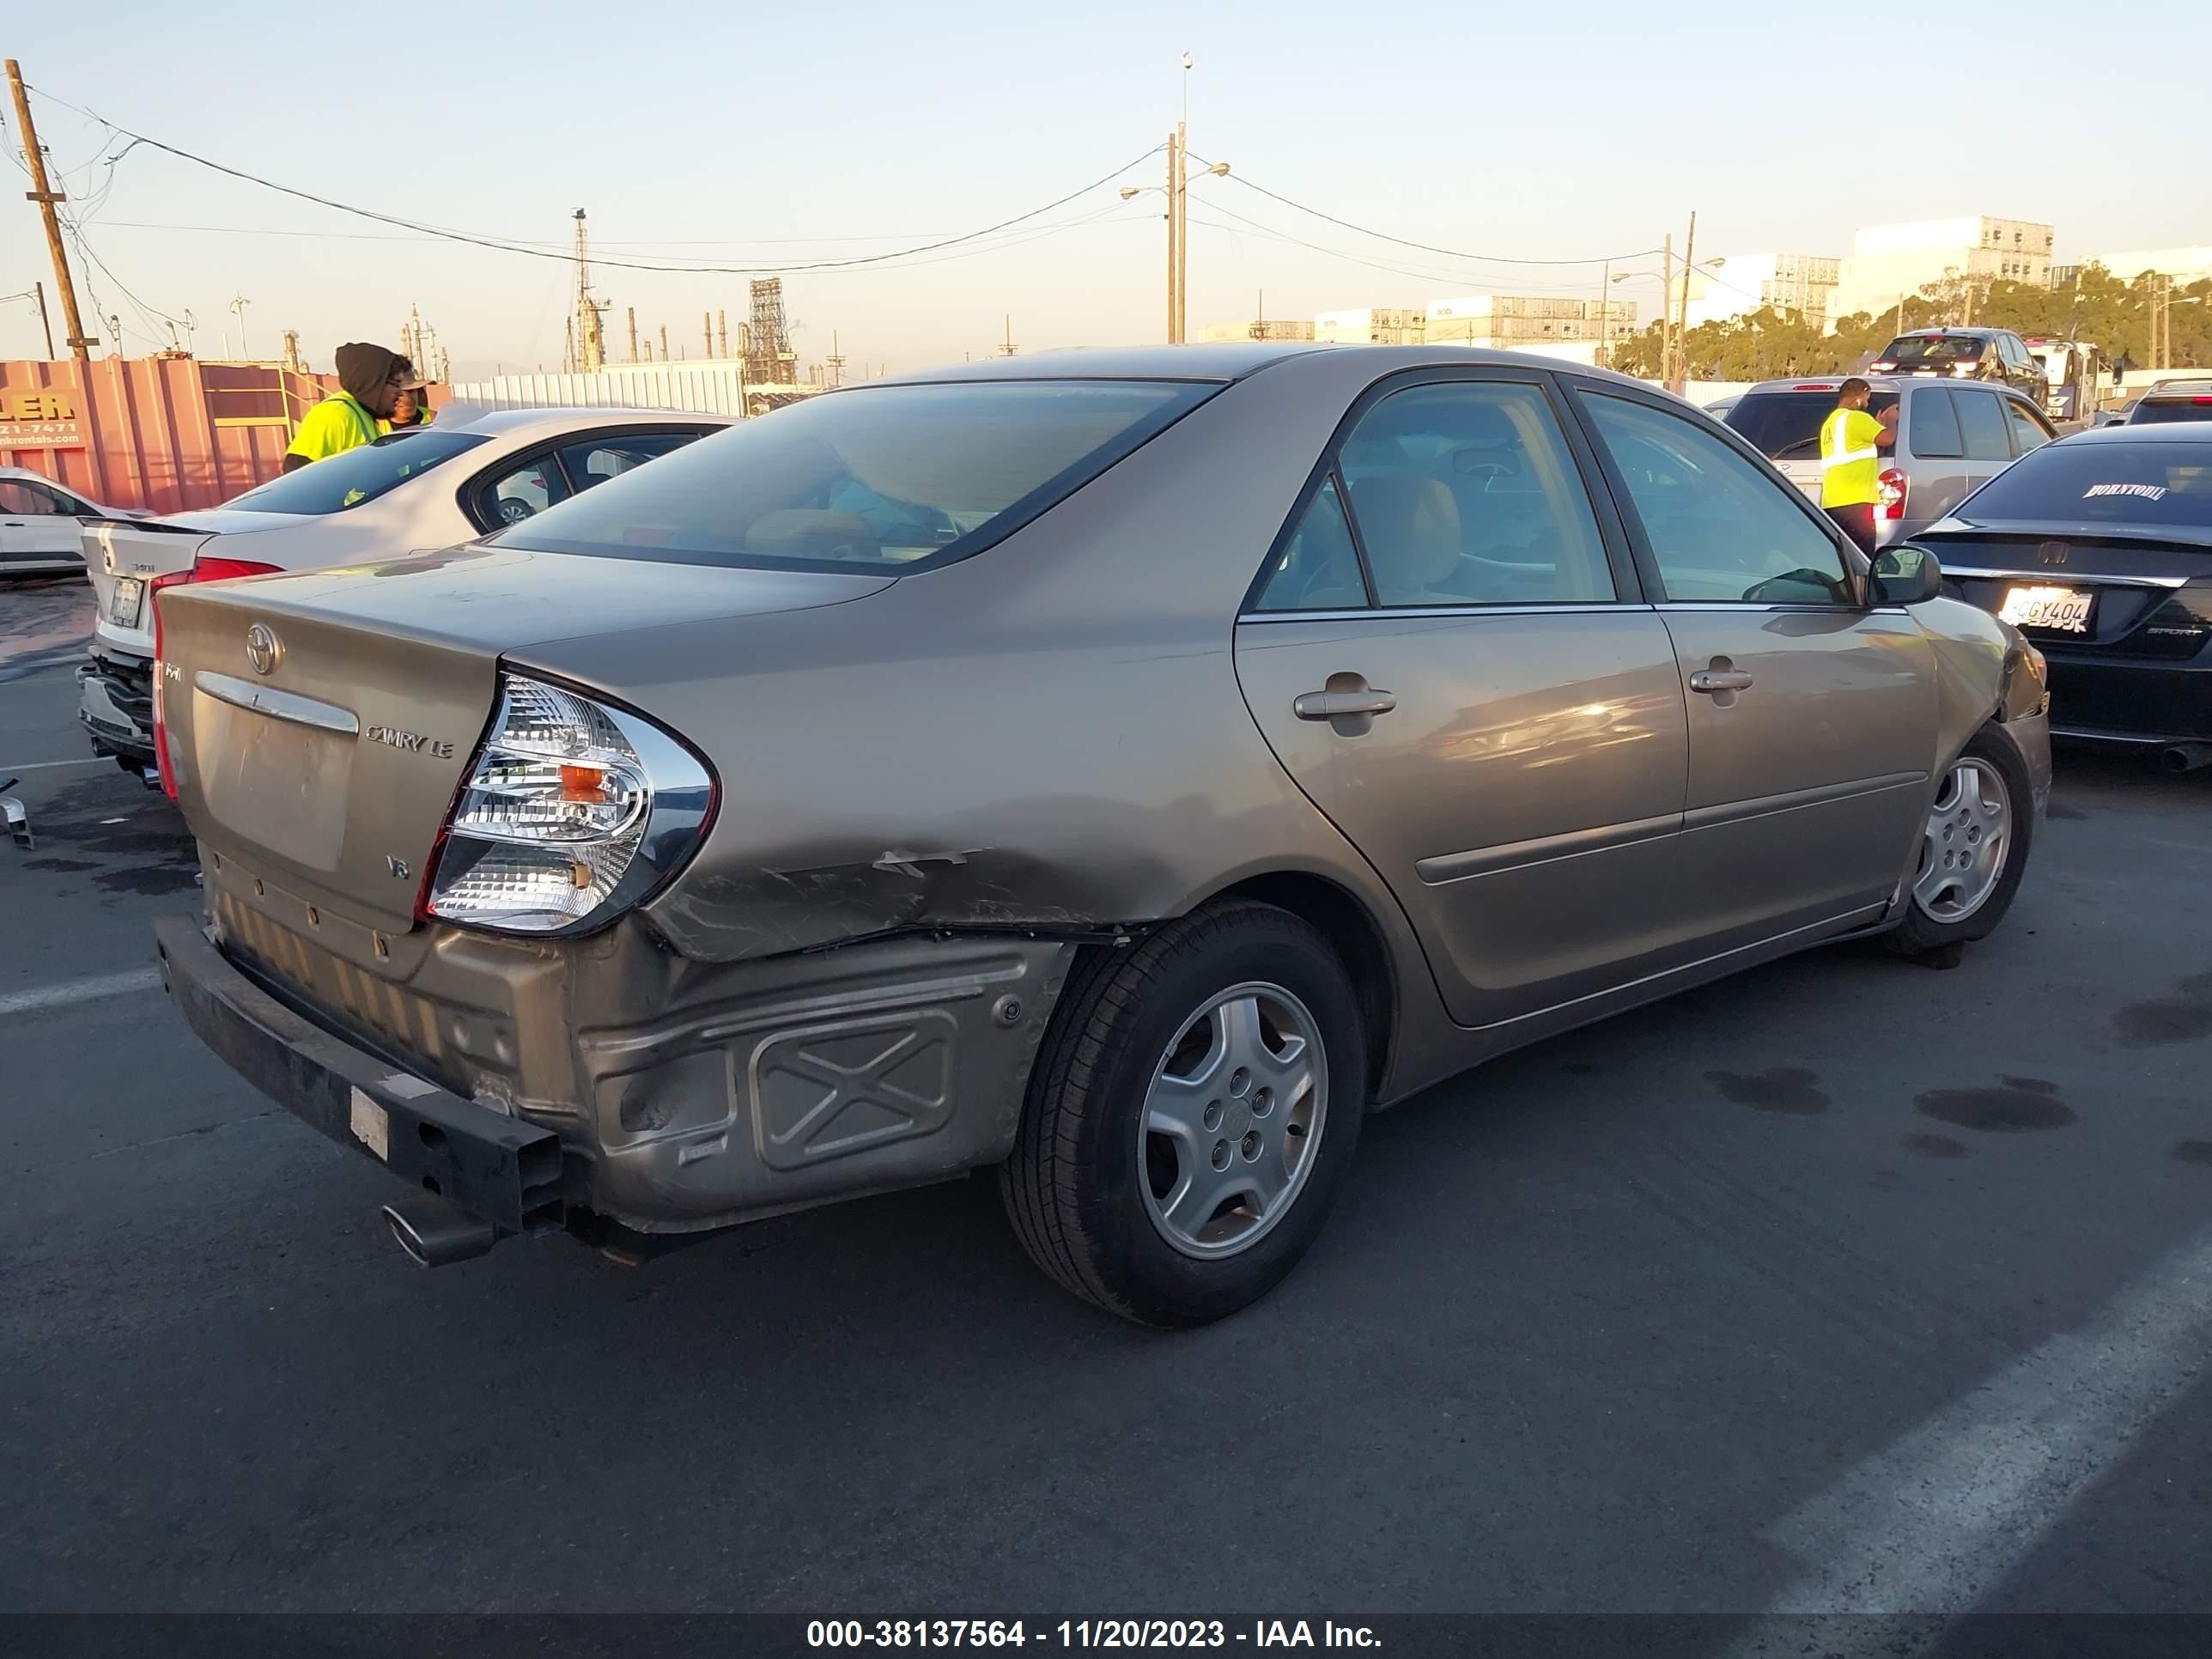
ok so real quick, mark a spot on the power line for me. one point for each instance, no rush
(448, 234)
(1424, 247)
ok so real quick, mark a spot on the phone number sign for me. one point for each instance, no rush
(40, 420)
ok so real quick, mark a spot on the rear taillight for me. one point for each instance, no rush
(1891, 487)
(573, 811)
(202, 570)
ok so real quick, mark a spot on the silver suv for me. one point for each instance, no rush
(1951, 438)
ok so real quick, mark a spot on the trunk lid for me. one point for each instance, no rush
(123, 556)
(326, 750)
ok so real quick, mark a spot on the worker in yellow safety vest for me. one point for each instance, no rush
(1851, 442)
(370, 379)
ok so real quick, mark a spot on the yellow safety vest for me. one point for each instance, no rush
(1850, 462)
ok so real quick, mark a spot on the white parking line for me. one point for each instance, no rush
(79, 990)
(1935, 1522)
(48, 766)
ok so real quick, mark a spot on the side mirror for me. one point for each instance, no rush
(1905, 574)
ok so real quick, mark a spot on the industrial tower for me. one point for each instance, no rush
(588, 350)
(769, 359)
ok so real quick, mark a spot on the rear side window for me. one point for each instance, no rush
(1317, 568)
(354, 477)
(1931, 428)
(1785, 426)
(1465, 492)
(1982, 424)
(2145, 484)
(897, 478)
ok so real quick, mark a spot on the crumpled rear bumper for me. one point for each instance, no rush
(498, 1169)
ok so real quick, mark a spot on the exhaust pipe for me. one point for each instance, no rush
(2186, 757)
(436, 1233)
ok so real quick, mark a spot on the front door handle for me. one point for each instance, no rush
(1339, 705)
(1710, 680)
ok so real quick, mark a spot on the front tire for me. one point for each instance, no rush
(1973, 849)
(1191, 1117)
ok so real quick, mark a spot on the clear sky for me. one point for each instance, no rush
(756, 135)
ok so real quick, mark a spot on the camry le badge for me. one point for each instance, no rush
(263, 650)
(413, 742)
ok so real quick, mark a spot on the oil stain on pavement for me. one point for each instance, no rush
(1934, 1145)
(2185, 1016)
(2193, 1151)
(1790, 1090)
(2022, 1103)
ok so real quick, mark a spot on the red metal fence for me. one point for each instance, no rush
(162, 433)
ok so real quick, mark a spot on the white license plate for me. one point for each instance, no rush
(2066, 610)
(122, 604)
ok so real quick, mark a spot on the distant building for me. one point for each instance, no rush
(1517, 322)
(1737, 284)
(2184, 265)
(1370, 326)
(1889, 263)
(1268, 328)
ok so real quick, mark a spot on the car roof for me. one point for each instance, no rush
(1938, 333)
(1222, 362)
(2165, 432)
(534, 422)
(2192, 386)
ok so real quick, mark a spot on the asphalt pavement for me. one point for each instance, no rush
(1846, 1284)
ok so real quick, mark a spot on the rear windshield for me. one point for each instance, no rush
(2147, 484)
(2178, 409)
(1786, 425)
(1935, 348)
(354, 476)
(885, 477)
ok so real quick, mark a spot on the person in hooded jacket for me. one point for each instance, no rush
(370, 381)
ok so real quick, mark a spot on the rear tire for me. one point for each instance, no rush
(1985, 800)
(1191, 1117)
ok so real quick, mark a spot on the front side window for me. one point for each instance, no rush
(1982, 423)
(353, 476)
(21, 498)
(1465, 492)
(1721, 530)
(890, 477)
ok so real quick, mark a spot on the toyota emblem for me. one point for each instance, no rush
(263, 650)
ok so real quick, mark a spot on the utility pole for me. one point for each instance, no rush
(1009, 348)
(46, 322)
(834, 361)
(722, 328)
(238, 305)
(1175, 253)
(1682, 318)
(632, 312)
(1666, 311)
(1605, 317)
(663, 343)
(45, 196)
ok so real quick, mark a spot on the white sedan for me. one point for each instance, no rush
(412, 492)
(42, 524)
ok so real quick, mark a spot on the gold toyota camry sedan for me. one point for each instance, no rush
(1125, 769)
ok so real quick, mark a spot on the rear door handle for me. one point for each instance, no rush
(1339, 705)
(1710, 680)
